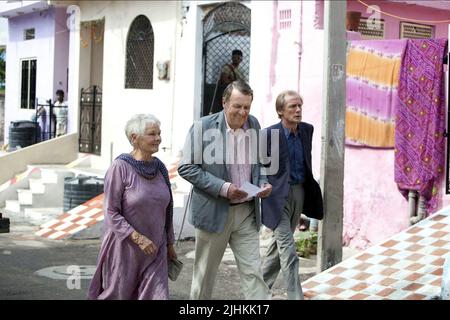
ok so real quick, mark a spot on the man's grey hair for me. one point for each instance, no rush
(138, 122)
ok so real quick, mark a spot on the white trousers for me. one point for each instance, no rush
(243, 237)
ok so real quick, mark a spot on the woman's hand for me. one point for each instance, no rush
(171, 254)
(144, 243)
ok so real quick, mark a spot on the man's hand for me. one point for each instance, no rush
(144, 243)
(234, 193)
(267, 190)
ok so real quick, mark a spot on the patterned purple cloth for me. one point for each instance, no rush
(420, 120)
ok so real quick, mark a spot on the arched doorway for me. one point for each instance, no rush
(225, 28)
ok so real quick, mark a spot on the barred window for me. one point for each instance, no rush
(140, 49)
(28, 85)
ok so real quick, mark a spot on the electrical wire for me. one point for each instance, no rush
(374, 8)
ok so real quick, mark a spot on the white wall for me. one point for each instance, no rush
(188, 76)
(60, 150)
(3, 31)
(74, 69)
(61, 54)
(119, 104)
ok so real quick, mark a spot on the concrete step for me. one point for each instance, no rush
(52, 173)
(85, 171)
(12, 205)
(16, 217)
(52, 197)
(38, 216)
(10, 193)
(25, 196)
(37, 186)
(49, 176)
(47, 191)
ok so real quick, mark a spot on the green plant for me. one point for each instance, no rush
(306, 244)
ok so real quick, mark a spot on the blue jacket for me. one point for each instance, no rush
(272, 207)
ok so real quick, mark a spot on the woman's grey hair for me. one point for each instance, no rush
(137, 124)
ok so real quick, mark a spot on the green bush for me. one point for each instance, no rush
(306, 244)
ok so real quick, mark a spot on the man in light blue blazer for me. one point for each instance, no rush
(218, 162)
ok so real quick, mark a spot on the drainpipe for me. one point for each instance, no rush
(421, 211)
(416, 212)
(445, 284)
(300, 47)
(111, 150)
(412, 196)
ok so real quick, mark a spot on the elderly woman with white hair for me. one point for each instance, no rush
(138, 236)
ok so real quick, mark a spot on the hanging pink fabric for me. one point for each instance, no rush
(420, 120)
(373, 68)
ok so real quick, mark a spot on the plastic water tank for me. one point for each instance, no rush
(23, 134)
(80, 189)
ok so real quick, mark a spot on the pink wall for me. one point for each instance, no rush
(392, 24)
(374, 210)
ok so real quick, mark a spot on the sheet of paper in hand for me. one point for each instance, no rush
(251, 189)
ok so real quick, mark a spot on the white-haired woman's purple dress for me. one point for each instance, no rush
(132, 202)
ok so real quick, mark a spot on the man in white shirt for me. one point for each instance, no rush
(60, 111)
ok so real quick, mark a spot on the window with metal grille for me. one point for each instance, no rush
(139, 56)
(28, 84)
(285, 19)
(28, 34)
(415, 31)
(371, 29)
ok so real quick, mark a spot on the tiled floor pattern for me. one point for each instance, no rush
(75, 220)
(408, 266)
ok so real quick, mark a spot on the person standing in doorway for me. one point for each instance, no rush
(60, 111)
(230, 72)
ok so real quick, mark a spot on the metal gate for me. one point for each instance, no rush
(225, 28)
(47, 121)
(91, 120)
